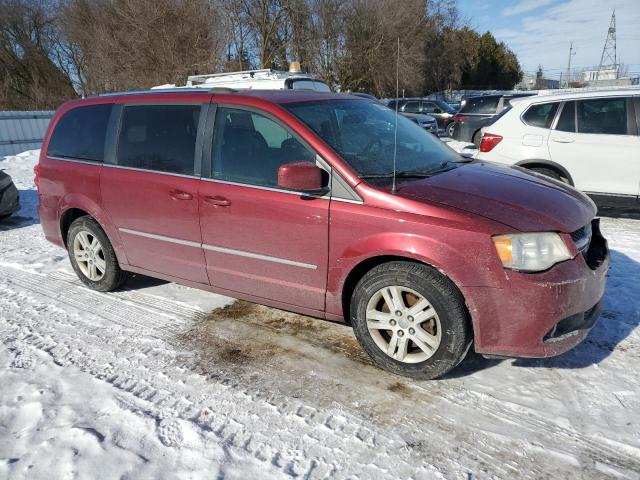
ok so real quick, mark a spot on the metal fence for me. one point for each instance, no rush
(20, 131)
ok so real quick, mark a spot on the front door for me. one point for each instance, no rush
(596, 141)
(259, 239)
(151, 190)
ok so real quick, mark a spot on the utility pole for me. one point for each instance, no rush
(571, 54)
(609, 55)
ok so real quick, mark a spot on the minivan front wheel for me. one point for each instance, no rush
(410, 319)
(92, 256)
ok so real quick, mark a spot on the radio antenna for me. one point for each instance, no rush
(395, 133)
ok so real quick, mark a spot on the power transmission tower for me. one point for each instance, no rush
(608, 60)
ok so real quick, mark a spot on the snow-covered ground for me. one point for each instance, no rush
(162, 381)
(466, 148)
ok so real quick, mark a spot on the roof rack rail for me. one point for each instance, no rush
(226, 74)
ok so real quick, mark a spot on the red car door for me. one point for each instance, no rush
(151, 189)
(258, 239)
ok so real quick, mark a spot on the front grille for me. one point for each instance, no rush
(582, 238)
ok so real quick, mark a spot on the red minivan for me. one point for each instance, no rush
(289, 199)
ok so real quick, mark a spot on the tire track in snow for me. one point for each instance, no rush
(333, 444)
(162, 399)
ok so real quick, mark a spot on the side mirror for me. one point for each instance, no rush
(301, 177)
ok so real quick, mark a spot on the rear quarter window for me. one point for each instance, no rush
(541, 115)
(80, 133)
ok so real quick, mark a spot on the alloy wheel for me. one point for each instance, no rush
(403, 324)
(89, 255)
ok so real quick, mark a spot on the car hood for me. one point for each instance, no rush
(509, 195)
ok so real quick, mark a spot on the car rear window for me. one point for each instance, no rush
(304, 84)
(541, 115)
(481, 105)
(159, 137)
(80, 134)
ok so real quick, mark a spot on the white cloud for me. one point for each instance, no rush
(524, 6)
(544, 37)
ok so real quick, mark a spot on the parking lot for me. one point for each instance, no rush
(158, 375)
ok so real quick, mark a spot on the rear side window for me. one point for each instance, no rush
(80, 134)
(603, 115)
(541, 115)
(567, 120)
(159, 137)
(411, 107)
(249, 148)
(481, 105)
(428, 107)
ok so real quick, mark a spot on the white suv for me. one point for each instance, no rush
(588, 139)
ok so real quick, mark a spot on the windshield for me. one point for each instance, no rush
(363, 134)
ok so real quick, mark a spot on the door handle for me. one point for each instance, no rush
(217, 201)
(563, 140)
(180, 195)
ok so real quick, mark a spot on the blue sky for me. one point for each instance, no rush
(540, 31)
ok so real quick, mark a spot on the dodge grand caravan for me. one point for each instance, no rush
(289, 199)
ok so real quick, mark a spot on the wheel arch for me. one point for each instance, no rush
(529, 164)
(67, 218)
(365, 265)
(73, 207)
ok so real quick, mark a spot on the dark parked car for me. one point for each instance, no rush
(9, 198)
(327, 205)
(475, 113)
(424, 121)
(438, 109)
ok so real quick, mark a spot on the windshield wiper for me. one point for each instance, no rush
(398, 175)
(443, 167)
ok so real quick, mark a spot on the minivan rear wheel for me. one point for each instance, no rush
(410, 319)
(92, 256)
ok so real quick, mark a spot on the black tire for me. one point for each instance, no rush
(477, 138)
(451, 129)
(550, 172)
(113, 276)
(456, 333)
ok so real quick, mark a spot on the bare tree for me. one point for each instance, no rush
(125, 44)
(372, 32)
(31, 76)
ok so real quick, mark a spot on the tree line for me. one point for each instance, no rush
(53, 50)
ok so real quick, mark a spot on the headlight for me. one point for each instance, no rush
(531, 252)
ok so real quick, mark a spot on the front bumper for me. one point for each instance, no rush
(9, 200)
(543, 314)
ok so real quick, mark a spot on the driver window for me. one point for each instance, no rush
(249, 148)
